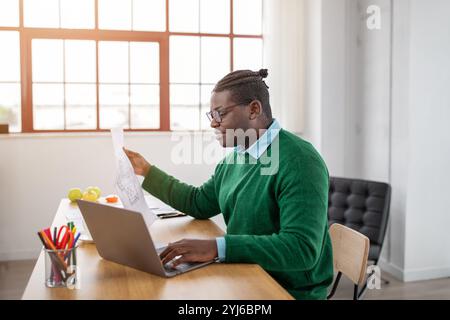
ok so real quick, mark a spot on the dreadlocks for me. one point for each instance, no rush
(246, 86)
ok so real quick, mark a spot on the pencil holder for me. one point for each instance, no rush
(61, 268)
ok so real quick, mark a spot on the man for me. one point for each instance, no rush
(275, 218)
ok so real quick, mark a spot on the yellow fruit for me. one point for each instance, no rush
(96, 190)
(75, 194)
(90, 196)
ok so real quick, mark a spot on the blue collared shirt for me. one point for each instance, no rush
(256, 150)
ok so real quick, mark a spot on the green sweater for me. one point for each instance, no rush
(278, 221)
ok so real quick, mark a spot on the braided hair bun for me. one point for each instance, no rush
(263, 73)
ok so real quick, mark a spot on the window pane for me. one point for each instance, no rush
(184, 59)
(114, 14)
(80, 61)
(113, 62)
(81, 102)
(184, 15)
(42, 13)
(248, 54)
(247, 17)
(144, 101)
(47, 60)
(48, 107)
(184, 107)
(10, 111)
(149, 15)
(78, 14)
(144, 62)
(9, 13)
(206, 104)
(9, 56)
(215, 59)
(113, 106)
(215, 16)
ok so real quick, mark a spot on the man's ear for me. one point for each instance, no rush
(255, 109)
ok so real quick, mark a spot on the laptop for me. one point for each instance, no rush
(122, 236)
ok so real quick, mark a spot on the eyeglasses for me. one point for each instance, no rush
(218, 115)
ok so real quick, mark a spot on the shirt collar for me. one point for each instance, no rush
(260, 146)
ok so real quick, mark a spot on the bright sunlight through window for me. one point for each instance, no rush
(145, 65)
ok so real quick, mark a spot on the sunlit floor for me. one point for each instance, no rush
(14, 277)
(396, 290)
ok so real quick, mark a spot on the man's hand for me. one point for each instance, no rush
(140, 165)
(189, 251)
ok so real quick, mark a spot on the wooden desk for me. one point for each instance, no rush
(101, 279)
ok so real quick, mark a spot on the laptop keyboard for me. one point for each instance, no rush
(169, 265)
(181, 267)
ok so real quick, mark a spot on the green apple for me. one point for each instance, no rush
(96, 190)
(90, 195)
(75, 194)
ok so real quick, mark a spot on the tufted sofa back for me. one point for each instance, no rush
(363, 206)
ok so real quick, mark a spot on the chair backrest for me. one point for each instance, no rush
(350, 252)
(360, 205)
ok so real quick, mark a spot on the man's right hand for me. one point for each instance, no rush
(140, 165)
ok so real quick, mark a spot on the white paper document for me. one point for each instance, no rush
(127, 184)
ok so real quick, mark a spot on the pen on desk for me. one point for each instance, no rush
(73, 247)
(171, 215)
(76, 239)
(52, 247)
(168, 213)
(54, 236)
(52, 257)
(42, 240)
(48, 233)
(45, 247)
(70, 248)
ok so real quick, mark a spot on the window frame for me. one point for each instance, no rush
(27, 34)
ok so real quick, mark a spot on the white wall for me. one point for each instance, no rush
(284, 57)
(379, 110)
(37, 170)
(313, 72)
(395, 130)
(333, 85)
(355, 89)
(393, 258)
(417, 238)
(368, 91)
(428, 215)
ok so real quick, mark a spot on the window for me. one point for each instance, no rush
(138, 15)
(129, 84)
(189, 81)
(89, 65)
(64, 84)
(10, 97)
(9, 13)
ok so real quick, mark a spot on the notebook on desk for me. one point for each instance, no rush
(73, 214)
(123, 236)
